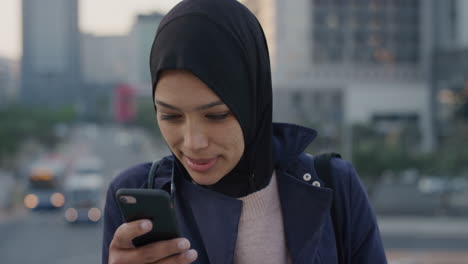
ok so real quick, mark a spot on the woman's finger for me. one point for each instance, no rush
(152, 253)
(187, 257)
(128, 231)
(163, 249)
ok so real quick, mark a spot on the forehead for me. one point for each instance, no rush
(181, 87)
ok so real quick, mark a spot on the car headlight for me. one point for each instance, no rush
(57, 199)
(31, 201)
(94, 214)
(71, 215)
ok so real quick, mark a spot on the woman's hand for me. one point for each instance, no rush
(122, 251)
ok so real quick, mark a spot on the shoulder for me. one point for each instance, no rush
(343, 172)
(132, 177)
(355, 217)
(137, 175)
(344, 175)
(347, 187)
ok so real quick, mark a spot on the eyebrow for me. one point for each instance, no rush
(198, 108)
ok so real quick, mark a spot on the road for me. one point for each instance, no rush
(425, 240)
(45, 237)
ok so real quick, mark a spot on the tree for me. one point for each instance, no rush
(19, 124)
(375, 152)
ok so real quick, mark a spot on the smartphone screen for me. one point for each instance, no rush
(154, 205)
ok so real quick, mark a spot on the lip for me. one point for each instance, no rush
(200, 165)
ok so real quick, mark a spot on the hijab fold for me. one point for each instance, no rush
(222, 43)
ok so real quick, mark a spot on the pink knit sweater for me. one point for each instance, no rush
(260, 237)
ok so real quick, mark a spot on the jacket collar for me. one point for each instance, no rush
(304, 208)
(217, 218)
(289, 141)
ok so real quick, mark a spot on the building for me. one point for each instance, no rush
(8, 81)
(110, 61)
(142, 35)
(106, 62)
(106, 59)
(4, 82)
(337, 63)
(51, 61)
(450, 24)
(121, 59)
(451, 44)
(450, 71)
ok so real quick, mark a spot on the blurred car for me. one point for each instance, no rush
(83, 199)
(45, 184)
(434, 185)
(87, 166)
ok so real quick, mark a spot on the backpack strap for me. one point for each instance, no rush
(152, 174)
(159, 175)
(323, 167)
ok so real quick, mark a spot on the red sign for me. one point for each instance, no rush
(125, 110)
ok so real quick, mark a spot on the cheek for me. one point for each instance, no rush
(169, 134)
(239, 143)
(234, 140)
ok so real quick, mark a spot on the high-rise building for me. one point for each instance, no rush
(339, 62)
(142, 35)
(106, 59)
(51, 59)
(111, 60)
(450, 20)
(450, 71)
(8, 81)
(4, 82)
(106, 62)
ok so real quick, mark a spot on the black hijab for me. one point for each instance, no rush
(223, 44)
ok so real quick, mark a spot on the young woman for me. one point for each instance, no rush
(242, 187)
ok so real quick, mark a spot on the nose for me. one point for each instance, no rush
(195, 137)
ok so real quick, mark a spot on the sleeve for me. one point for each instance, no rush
(112, 220)
(364, 236)
(133, 177)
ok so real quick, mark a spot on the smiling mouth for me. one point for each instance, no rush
(200, 165)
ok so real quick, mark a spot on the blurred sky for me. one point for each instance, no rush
(103, 17)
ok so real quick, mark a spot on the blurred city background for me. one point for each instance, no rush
(385, 82)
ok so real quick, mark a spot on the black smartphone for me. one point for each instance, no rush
(154, 205)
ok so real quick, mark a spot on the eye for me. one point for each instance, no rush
(168, 117)
(218, 116)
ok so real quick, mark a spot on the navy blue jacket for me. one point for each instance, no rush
(210, 219)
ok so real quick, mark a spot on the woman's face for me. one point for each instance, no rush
(199, 128)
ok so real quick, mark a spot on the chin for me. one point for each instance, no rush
(204, 179)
